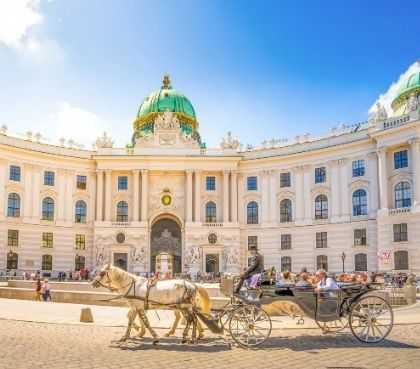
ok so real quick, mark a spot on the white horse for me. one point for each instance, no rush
(175, 294)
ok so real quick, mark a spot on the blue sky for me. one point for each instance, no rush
(260, 69)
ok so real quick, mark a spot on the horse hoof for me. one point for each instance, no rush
(184, 340)
(169, 334)
(123, 339)
(156, 341)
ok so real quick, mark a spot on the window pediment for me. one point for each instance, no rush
(285, 194)
(359, 183)
(320, 189)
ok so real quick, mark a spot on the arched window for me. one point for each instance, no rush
(79, 262)
(322, 262)
(321, 207)
(360, 262)
(286, 211)
(46, 262)
(359, 202)
(252, 213)
(13, 205)
(210, 212)
(48, 209)
(122, 211)
(401, 260)
(80, 212)
(12, 260)
(286, 264)
(403, 195)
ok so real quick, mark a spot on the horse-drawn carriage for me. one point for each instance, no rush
(361, 307)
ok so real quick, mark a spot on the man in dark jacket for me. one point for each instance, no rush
(256, 266)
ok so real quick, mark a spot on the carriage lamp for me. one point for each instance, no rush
(343, 258)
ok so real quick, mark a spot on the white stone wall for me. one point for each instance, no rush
(150, 175)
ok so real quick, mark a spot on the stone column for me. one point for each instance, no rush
(335, 190)
(144, 195)
(36, 189)
(344, 186)
(197, 200)
(299, 198)
(108, 195)
(225, 196)
(188, 196)
(99, 195)
(274, 208)
(308, 180)
(234, 196)
(265, 198)
(69, 197)
(3, 166)
(27, 196)
(136, 194)
(383, 179)
(372, 168)
(415, 168)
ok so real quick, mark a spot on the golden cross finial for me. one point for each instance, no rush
(166, 81)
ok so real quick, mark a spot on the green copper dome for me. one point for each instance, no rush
(166, 99)
(410, 86)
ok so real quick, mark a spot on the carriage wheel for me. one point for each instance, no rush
(249, 326)
(371, 319)
(333, 326)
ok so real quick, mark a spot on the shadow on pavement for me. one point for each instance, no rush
(312, 342)
(173, 344)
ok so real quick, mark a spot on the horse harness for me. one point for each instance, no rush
(151, 282)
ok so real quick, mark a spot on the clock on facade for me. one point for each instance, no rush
(166, 200)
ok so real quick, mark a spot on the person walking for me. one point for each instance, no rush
(45, 289)
(38, 290)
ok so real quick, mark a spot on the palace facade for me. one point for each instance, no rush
(347, 200)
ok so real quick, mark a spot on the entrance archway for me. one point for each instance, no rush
(166, 237)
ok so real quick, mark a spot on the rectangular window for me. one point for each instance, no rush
(252, 241)
(401, 159)
(360, 237)
(12, 238)
(400, 232)
(285, 180)
(210, 183)
(80, 242)
(321, 240)
(358, 167)
(14, 173)
(286, 241)
(47, 239)
(122, 183)
(320, 175)
(81, 182)
(49, 178)
(252, 183)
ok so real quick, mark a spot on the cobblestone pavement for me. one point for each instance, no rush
(25, 345)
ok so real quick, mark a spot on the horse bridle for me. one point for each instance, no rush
(103, 273)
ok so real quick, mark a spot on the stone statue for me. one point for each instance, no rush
(413, 102)
(166, 121)
(104, 142)
(138, 255)
(193, 255)
(231, 256)
(229, 142)
(381, 113)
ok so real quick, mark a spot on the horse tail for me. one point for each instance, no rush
(204, 302)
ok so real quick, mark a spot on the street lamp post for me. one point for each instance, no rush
(343, 258)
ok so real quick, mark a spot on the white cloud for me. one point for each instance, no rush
(83, 126)
(386, 98)
(17, 17)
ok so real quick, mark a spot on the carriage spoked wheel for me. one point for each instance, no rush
(371, 319)
(249, 326)
(333, 326)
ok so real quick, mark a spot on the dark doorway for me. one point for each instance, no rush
(166, 237)
(120, 260)
(212, 263)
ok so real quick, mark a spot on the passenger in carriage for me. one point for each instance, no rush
(325, 282)
(303, 281)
